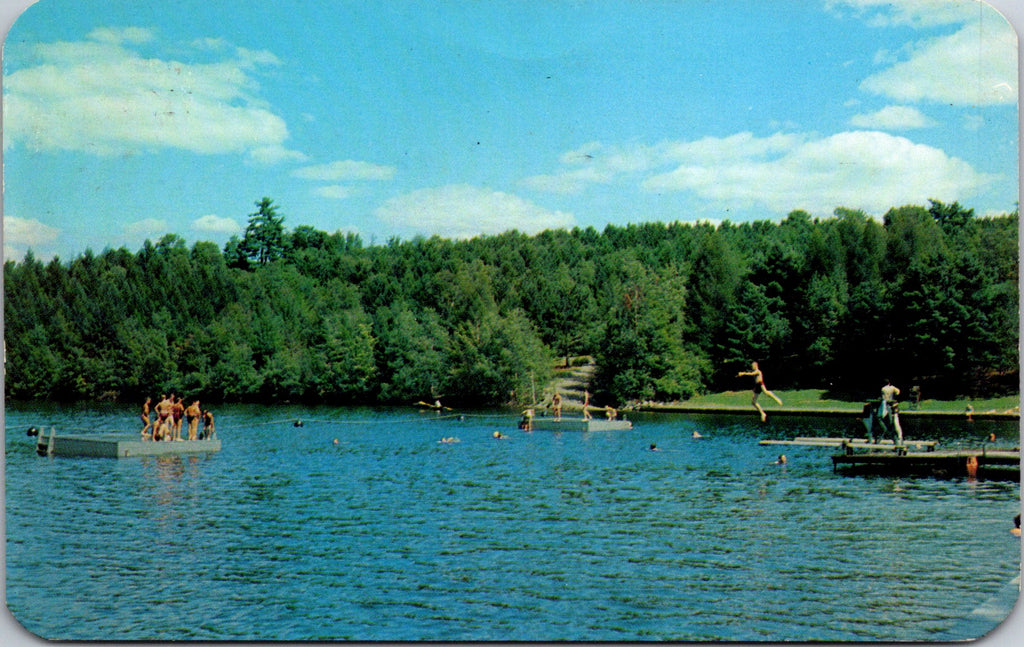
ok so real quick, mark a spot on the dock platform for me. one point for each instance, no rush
(118, 445)
(578, 424)
(983, 464)
(859, 443)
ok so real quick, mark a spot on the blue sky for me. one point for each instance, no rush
(126, 120)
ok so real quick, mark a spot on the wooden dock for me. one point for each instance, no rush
(578, 424)
(118, 445)
(984, 464)
(860, 443)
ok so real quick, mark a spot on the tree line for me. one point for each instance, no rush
(928, 295)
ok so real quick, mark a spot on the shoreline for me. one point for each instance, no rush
(833, 412)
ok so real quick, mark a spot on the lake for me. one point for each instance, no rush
(361, 525)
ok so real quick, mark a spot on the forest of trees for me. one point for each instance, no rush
(929, 295)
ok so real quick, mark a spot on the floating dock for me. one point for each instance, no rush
(578, 424)
(859, 443)
(984, 464)
(118, 446)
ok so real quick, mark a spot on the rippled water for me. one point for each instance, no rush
(390, 535)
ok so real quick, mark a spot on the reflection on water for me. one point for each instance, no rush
(362, 525)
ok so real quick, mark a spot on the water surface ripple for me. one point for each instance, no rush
(388, 534)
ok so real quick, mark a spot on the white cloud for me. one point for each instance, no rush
(906, 13)
(463, 211)
(973, 122)
(345, 170)
(975, 66)
(596, 163)
(24, 231)
(146, 227)
(116, 36)
(893, 118)
(866, 170)
(276, 154)
(252, 58)
(215, 224)
(572, 181)
(716, 150)
(21, 234)
(101, 97)
(334, 191)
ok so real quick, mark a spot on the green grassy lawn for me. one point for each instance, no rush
(816, 399)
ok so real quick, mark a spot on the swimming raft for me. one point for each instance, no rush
(118, 445)
(815, 441)
(578, 424)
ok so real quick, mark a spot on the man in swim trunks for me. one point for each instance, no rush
(163, 414)
(177, 414)
(759, 387)
(889, 409)
(192, 415)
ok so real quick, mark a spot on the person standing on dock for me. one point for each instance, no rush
(163, 413)
(526, 422)
(208, 428)
(146, 421)
(556, 406)
(192, 414)
(890, 409)
(889, 393)
(177, 414)
(759, 387)
(586, 405)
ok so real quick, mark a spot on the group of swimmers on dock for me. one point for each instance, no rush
(171, 412)
(526, 423)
